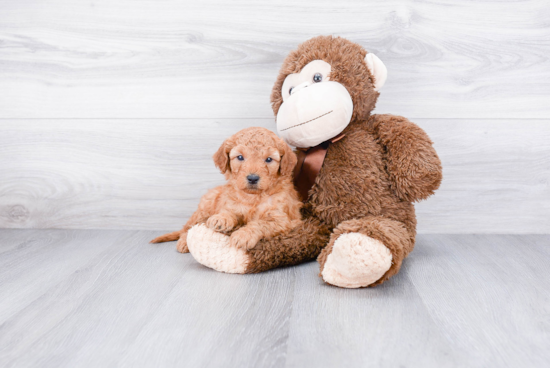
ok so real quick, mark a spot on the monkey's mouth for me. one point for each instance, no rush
(306, 122)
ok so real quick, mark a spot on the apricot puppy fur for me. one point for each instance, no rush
(258, 201)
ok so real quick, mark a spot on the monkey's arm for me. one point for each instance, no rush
(412, 163)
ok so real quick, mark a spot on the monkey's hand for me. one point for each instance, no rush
(412, 163)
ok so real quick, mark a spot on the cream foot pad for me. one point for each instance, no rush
(356, 261)
(212, 250)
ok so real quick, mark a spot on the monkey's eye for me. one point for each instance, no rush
(240, 158)
(317, 77)
(290, 90)
(269, 159)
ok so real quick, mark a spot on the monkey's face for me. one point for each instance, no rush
(322, 86)
(314, 108)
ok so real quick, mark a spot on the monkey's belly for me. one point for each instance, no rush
(339, 198)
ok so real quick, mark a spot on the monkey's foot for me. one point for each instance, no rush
(212, 250)
(355, 261)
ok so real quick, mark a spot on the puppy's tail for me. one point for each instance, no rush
(167, 237)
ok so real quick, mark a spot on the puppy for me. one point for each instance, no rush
(258, 201)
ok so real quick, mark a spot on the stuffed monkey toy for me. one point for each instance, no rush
(358, 173)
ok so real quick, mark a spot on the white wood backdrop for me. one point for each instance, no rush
(111, 110)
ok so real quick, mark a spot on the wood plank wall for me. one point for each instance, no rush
(111, 110)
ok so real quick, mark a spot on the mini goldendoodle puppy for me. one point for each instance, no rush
(258, 201)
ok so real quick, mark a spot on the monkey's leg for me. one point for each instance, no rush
(365, 252)
(301, 244)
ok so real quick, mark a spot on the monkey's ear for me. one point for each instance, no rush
(221, 157)
(288, 159)
(377, 69)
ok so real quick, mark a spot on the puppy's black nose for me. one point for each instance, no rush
(253, 179)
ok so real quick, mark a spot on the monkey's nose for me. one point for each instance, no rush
(253, 178)
(299, 87)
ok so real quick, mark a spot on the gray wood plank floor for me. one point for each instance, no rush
(108, 298)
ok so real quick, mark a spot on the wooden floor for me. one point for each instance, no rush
(85, 298)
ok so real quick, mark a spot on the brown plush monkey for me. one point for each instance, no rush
(359, 216)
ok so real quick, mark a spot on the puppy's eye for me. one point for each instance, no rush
(269, 159)
(240, 158)
(317, 77)
(290, 90)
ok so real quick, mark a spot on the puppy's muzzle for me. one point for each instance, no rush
(253, 179)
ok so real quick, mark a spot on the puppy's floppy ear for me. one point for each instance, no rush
(221, 157)
(288, 158)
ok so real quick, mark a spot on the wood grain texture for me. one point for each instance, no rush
(218, 59)
(496, 177)
(114, 300)
(42, 255)
(150, 174)
(487, 288)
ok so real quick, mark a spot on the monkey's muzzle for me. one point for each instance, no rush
(314, 114)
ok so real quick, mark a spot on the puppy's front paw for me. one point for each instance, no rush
(221, 223)
(243, 238)
(182, 243)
